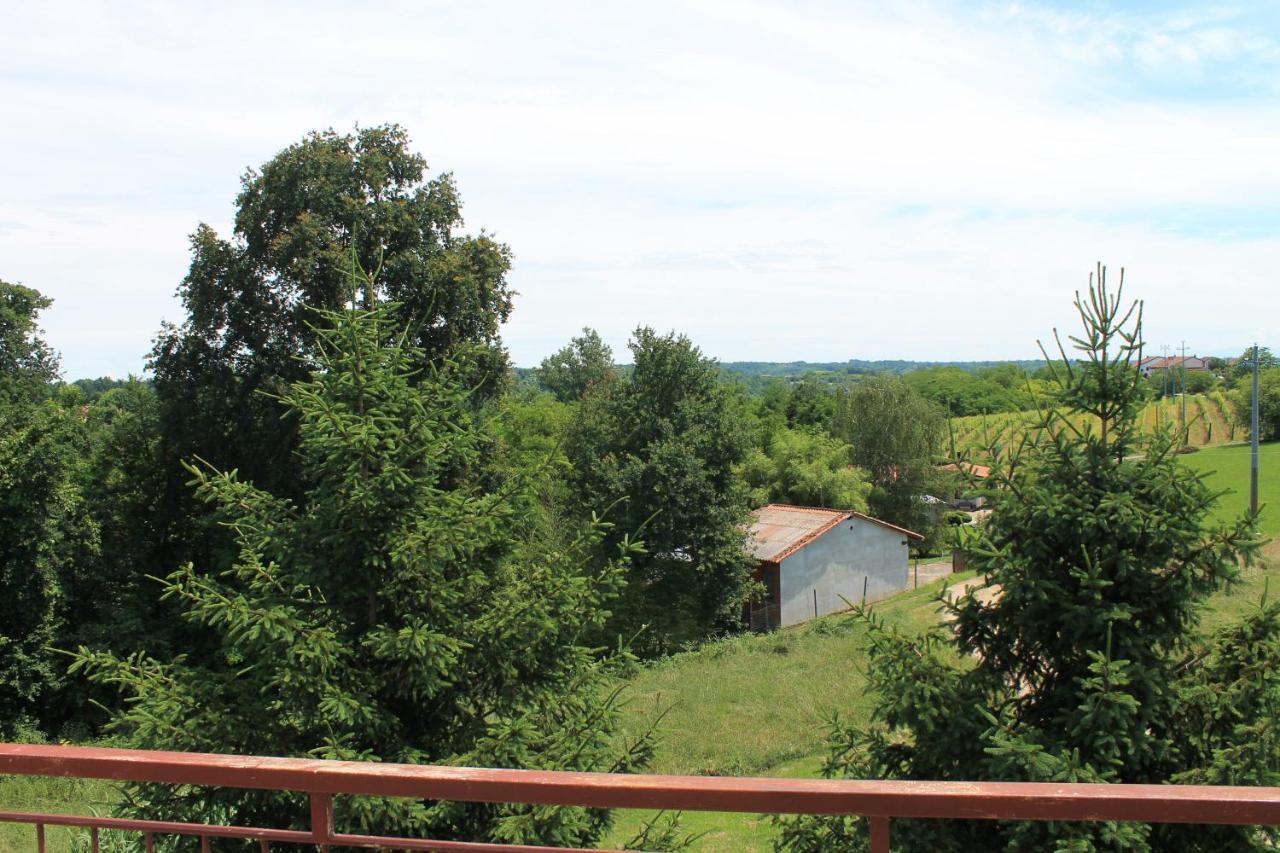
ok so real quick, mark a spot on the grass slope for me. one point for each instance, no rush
(758, 705)
(1226, 469)
(721, 720)
(56, 796)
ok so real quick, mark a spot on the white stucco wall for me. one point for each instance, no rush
(834, 565)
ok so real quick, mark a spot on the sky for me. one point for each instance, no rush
(780, 181)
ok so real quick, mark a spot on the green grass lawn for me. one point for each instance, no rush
(748, 703)
(56, 796)
(1226, 469)
(757, 705)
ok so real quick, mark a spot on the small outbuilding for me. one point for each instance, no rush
(815, 561)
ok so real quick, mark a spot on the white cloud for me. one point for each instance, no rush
(778, 180)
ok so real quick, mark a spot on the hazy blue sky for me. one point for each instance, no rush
(778, 180)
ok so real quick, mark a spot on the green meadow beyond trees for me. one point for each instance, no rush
(1083, 662)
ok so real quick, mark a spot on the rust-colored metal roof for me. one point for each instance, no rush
(779, 530)
(910, 534)
(982, 472)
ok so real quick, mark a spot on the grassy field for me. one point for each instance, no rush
(783, 737)
(57, 796)
(1226, 469)
(757, 705)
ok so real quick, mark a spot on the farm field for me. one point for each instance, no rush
(1209, 423)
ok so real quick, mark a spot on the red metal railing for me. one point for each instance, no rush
(879, 801)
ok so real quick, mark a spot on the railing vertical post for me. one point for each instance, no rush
(149, 842)
(322, 819)
(93, 839)
(879, 834)
(40, 837)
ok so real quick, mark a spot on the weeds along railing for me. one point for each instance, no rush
(879, 801)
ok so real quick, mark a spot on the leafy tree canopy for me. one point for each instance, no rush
(46, 535)
(661, 448)
(112, 600)
(585, 363)
(254, 301)
(806, 469)
(92, 389)
(1268, 403)
(47, 540)
(963, 393)
(27, 364)
(810, 404)
(1243, 368)
(895, 435)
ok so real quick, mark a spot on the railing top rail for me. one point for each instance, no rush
(979, 800)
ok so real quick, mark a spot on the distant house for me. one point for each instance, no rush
(980, 472)
(1157, 363)
(971, 472)
(815, 561)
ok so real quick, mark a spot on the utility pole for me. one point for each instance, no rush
(1253, 438)
(1164, 359)
(1182, 374)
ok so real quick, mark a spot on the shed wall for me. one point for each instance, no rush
(834, 565)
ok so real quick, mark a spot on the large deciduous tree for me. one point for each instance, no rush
(1086, 664)
(401, 609)
(123, 482)
(27, 364)
(585, 363)
(1268, 402)
(895, 434)
(47, 539)
(254, 302)
(661, 449)
(46, 535)
(1243, 367)
(807, 468)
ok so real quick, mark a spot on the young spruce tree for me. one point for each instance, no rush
(402, 611)
(1086, 666)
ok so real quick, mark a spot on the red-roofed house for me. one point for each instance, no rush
(980, 472)
(815, 561)
(1155, 363)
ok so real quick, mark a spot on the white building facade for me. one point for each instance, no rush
(817, 561)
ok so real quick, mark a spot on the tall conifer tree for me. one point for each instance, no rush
(401, 610)
(1086, 665)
